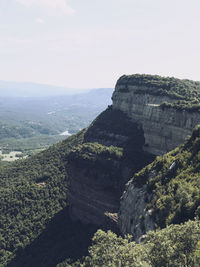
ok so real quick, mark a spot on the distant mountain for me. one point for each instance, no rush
(29, 89)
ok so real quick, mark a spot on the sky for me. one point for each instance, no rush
(91, 43)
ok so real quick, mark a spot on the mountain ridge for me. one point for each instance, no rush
(33, 89)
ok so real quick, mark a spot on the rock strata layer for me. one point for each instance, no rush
(141, 127)
(101, 166)
(134, 217)
(164, 128)
(93, 195)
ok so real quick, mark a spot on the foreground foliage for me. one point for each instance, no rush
(174, 246)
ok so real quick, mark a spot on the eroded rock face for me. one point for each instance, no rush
(94, 189)
(98, 174)
(134, 217)
(141, 127)
(164, 129)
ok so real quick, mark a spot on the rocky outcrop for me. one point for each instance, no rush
(94, 185)
(102, 165)
(164, 128)
(134, 217)
(140, 127)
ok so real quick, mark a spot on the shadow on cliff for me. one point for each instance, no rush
(62, 239)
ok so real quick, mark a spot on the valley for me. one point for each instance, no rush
(29, 124)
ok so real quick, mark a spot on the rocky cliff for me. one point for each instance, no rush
(164, 127)
(150, 116)
(134, 215)
(94, 175)
(99, 168)
(163, 193)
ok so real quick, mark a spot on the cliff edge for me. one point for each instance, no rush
(150, 116)
(167, 109)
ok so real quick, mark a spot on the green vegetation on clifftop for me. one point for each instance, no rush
(186, 92)
(158, 85)
(173, 246)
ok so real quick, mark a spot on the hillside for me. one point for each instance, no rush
(168, 191)
(34, 211)
(53, 202)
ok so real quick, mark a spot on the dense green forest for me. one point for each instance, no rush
(186, 92)
(33, 194)
(176, 245)
(168, 86)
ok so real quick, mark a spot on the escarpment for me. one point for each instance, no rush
(94, 186)
(164, 192)
(143, 99)
(150, 116)
(101, 166)
(167, 109)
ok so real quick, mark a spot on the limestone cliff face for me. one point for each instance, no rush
(164, 128)
(94, 194)
(100, 167)
(141, 127)
(134, 216)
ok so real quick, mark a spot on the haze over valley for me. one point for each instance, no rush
(29, 124)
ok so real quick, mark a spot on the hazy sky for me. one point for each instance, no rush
(90, 43)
